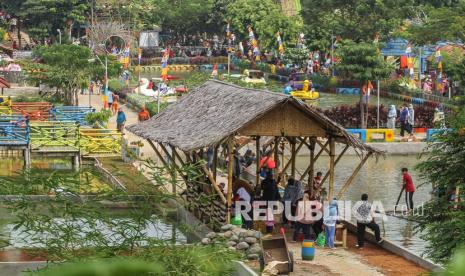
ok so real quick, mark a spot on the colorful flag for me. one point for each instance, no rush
(164, 63)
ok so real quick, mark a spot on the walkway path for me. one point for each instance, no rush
(131, 117)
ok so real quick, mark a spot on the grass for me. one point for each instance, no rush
(134, 180)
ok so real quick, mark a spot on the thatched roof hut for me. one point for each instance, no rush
(216, 113)
(216, 110)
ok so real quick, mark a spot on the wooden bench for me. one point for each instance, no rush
(341, 232)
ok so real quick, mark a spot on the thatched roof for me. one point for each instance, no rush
(216, 110)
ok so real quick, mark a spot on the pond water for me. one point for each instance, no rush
(91, 182)
(381, 180)
(326, 100)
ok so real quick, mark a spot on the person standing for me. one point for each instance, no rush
(409, 188)
(120, 120)
(110, 99)
(305, 217)
(144, 114)
(292, 193)
(403, 120)
(317, 185)
(392, 116)
(411, 122)
(114, 105)
(364, 216)
(330, 216)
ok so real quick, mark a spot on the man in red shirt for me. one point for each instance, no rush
(409, 188)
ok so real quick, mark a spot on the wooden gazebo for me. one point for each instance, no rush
(216, 114)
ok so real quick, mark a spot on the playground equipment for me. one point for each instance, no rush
(72, 113)
(35, 111)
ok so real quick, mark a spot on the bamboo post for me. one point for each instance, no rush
(314, 160)
(352, 176)
(215, 162)
(293, 155)
(311, 171)
(157, 152)
(214, 184)
(230, 176)
(332, 149)
(276, 157)
(335, 163)
(258, 155)
(173, 170)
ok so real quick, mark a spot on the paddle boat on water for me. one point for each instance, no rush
(146, 89)
(307, 93)
(254, 77)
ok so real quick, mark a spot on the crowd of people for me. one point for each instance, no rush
(406, 120)
(301, 203)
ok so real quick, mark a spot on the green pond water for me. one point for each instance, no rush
(326, 100)
(155, 227)
(381, 179)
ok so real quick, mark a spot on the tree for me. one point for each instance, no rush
(439, 24)
(443, 219)
(266, 18)
(43, 17)
(185, 16)
(361, 62)
(352, 19)
(65, 67)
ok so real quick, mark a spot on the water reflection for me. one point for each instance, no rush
(382, 181)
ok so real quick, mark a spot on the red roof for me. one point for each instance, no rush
(4, 83)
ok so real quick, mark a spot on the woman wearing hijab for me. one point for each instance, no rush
(392, 116)
(330, 216)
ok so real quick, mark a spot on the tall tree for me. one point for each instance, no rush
(66, 67)
(362, 62)
(266, 18)
(439, 24)
(352, 19)
(443, 218)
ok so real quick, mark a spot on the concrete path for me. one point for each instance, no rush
(131, 117)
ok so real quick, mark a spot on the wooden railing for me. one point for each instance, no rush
(35, 111)
(54, 136)
(71, 113)
(14, 131)
(100, 141)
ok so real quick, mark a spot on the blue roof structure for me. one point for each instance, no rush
(395, 47)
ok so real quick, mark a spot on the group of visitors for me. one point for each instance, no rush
(406, 120)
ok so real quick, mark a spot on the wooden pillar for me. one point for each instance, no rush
(230, 176)
(311, 172)
(215, 162)
(332, 154)
(293, 156)
(276, 157)
(27, 157)
(173, 170)
(258, 155)
(353, 175)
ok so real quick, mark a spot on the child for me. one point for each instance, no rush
(329, 220)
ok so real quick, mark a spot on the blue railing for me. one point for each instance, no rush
(14, 131)
(71, 114)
